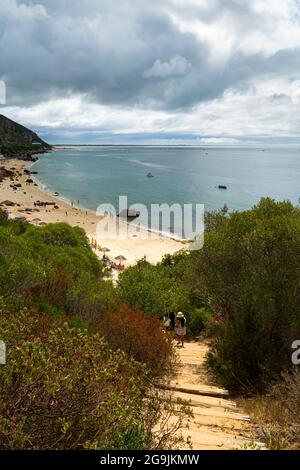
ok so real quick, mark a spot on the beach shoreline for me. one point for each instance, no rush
(132, 243)
(84, 209)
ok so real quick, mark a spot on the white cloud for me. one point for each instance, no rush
(218, 141)
(266, 109)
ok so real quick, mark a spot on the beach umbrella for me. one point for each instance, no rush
(120, 258)
(105, 250)
(36, 221)
(42, 223)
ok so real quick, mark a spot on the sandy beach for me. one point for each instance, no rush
(23, 194)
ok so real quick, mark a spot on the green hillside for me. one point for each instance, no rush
(18, 141)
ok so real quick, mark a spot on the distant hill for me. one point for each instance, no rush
(18, 141)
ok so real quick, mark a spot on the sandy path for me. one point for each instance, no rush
(217, 422)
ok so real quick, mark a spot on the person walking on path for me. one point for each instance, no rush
(180, 328)
(172, 320)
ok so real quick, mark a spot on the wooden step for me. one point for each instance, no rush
(195, 390)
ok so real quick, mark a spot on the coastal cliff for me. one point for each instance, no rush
(16, 141)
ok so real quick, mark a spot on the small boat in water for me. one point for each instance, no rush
(129, 214)
(150, 175)
(221, 186)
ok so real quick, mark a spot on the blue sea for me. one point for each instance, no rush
(184, 175)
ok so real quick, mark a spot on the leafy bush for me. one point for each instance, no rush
(3, 218)
(151, 289)
(63, 388)
(198, 320)
(15, 149)
(52, 265)
(214, 220)
(61, 234)
(141, 337)
(249, 272)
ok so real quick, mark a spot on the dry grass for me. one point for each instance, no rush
(278, 413)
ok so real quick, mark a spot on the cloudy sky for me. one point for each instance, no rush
(159, 71)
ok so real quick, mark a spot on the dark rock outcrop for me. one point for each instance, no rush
(4, 173)
(19, 142)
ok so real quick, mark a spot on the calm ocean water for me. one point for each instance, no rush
(96, 175)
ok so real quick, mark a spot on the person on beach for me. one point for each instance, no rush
(166, 322)
(172, 320)
(180, 328)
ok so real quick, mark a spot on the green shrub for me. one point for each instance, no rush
(151, 289)
(63, 235)
(3, 218)
(198, 320)
(44, 307)
(249, 271)
(54, 265)
(63, 388)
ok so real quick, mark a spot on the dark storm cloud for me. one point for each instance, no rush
(127, 53)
